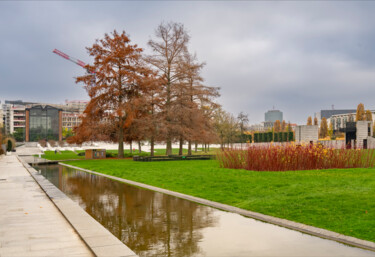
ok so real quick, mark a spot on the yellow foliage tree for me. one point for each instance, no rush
(330, 130)
(277, 126)
(323, 128)
(368, 115)
(316, 121)
(283, 126)
(360, 115)
(309, 121)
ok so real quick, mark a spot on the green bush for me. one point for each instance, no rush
(280, 136)
(276, 137)
(110, 155)
(81, 154)
(9, 145)
(285, 136)
(290, 136)
(269, 136)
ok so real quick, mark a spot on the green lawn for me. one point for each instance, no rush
(63, 155)
(70, 155)
(339, 200)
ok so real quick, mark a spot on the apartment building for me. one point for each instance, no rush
(13, 113)
(14, 117)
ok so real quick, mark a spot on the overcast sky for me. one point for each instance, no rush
(299, 57)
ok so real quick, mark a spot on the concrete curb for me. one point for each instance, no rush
(98, 239)
(319, 232)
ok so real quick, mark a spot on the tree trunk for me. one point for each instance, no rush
(189, 148)
(181, 144)
(139, 147)
(131, 146)
(152, 146)
(208, 147)
(205, 148)
(196, 147)
(120, 153)
(169, 147)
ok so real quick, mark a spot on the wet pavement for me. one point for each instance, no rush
(30, 225)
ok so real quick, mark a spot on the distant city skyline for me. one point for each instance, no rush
(300, 57)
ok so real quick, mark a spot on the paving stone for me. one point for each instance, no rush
(30, 224)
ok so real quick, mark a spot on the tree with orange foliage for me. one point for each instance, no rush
(193, 104)
(323, 128)
(184, 98)
(120, 79)
(316, 121)
(283, 126)
(360, 114)
(168, 52)
(368, 115)
(277, 126)
(309, 121)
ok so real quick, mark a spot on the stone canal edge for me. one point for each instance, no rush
(319, 232)
(99, 240)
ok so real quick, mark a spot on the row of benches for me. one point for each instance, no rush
(172, 158)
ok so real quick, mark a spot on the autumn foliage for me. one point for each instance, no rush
(160, 97)
(115, 90)
(294, 157)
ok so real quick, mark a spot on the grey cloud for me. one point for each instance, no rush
(297, 56)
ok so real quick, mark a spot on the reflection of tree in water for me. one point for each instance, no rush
(150, 223)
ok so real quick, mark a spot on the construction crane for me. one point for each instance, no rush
(72, 59)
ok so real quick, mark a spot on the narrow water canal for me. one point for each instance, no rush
(154, 224)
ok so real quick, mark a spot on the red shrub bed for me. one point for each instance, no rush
(295, 157)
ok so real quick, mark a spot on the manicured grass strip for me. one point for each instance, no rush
(340, 200)
(70, 155)
(63, 155)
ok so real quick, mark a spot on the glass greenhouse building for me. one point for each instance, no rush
(43, 123)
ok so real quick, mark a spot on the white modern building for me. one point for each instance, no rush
(339, 120)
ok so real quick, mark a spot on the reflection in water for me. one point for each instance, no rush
(154, 224)
(150, 223)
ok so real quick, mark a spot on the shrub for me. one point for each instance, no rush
(269, 137)
(295, 157)
(290, 136)
(81, 154)
(256, 137)
(276, 137)
(110, 155)
(42, 143)
(9, 145)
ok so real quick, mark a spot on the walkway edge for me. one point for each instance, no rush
(98, 239)
(323, 233)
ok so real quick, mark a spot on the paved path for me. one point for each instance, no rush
(30, 225)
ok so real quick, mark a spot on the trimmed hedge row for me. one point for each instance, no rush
(245, 138)
(267, 137)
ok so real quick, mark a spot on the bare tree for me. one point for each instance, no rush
(243, 120)
(169, 49)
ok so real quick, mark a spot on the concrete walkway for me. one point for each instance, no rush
(30, 224)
